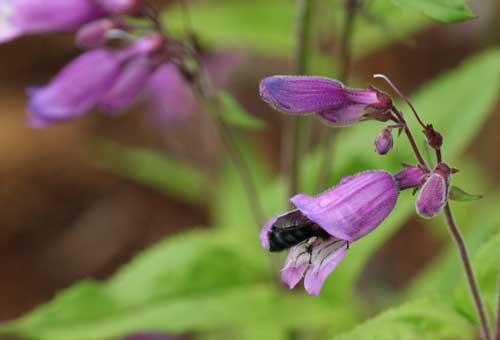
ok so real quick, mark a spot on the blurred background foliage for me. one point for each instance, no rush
(116, 225)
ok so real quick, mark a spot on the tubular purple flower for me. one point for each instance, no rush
(336, 104)
(434, 193)
(95, 33)
(19, 17)
(335, 218)
(384, 142)
(411, 177)
(82, 84)
(76, 89)
(120, 6)
(127, 88)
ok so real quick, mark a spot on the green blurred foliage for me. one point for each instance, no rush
(447, 11)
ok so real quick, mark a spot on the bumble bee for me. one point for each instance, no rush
(291, 229)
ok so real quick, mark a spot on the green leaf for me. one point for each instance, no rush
(486, 266)
(423, 319)
(447, 11)
(199, 281)
(154, 169)
(268, 26)
(230, 111)
(457, 194)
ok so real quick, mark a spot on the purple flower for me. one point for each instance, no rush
(19, 17)
(120, 6)
(128, 86)
(170, 99)
(98, 76)
(336, 104)
(95, 33)
(411, 177)
(384, 142)
(434, 193)
(320, 230)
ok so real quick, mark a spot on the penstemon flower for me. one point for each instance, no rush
(336, 104)
(320, 230)
(110, 78)
(21, 17)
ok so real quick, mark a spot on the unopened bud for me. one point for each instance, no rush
(95, 33)
(411, 177)
(434, 193)
(120, 6)
(434, 138)
(384, 142)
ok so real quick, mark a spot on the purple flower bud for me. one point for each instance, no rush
(120, 6)
(127, 88)
(19, 17)
(434, 193)
(95, 34)
(384, 142)
(411, 177)
(336, 104)
(344, 214)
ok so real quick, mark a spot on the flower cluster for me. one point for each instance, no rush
(319, 231)
(118, 68)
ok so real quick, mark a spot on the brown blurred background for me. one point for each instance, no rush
(63, 219)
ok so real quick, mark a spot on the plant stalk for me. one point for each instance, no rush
(471, 279)
(293, 126)
(327, 139)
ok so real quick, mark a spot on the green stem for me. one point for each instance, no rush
(471, 279)
(293, 126)
(327, 139)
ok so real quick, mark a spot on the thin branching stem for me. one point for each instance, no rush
(410, 137)
(471, 279)
(204, 93)
(327, 139)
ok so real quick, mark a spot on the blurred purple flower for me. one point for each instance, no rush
(384, 142)
(113, 78)
(411, 177)
(170, 99)
(120, 6)
(434, 193)
(345, 213)
(95, 34)
(128, 86)
(19, 17)
(336, 104)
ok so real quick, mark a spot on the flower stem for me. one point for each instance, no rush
(457, 236)
(327, 139)
(293, 126)
(202, 89)
(410, 137)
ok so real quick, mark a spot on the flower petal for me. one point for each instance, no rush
(346, 115)
(295, 94)
(264, 238)
(353, 208)
(28, 16)
(128, 86)
(296, 264)
(77, 88)
(325, 257)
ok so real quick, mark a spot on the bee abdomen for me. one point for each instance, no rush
(284, 238)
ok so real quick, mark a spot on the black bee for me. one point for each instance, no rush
(291, 229)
